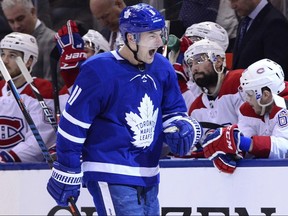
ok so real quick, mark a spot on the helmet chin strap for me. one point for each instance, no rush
(20, 74)
(16, 77)
(135, 53)
(218, 85)
(263, 106)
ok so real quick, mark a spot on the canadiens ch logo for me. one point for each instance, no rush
(10, 131)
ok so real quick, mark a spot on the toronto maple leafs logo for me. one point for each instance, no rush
(127, 14)
(143, 126)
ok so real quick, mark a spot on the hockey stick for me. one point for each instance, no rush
(26, 114)
(36, 92)
(47, 113)
(54, 58)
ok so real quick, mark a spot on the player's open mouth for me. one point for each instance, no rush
(152, 52)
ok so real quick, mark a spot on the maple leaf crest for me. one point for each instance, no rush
(127, 14)
(143, 126)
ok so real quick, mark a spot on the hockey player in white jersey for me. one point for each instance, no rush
(121, 102)
(196, 32)
(220, 100)
(262, 130)
(264, 116)
(17, 142)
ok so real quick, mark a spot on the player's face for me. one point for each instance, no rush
(202, 71)
(243, 7)
(89, 48)
(20, 19)
(148, 45)
(257, 106)
(8, 57)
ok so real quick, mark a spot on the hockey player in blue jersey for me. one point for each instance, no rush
(120, 104)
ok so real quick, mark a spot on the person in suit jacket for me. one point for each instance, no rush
(22, 17)
(265, 37)
(107, 14)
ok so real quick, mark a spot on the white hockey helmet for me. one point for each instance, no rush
(211, 31)
(202, 51)
(96, 41)
(263, 73)
(205, 46)
(21, 42)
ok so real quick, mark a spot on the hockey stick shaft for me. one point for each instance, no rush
(33, 127)
(36, 92)
(73, 208)
(26, 114)
(54, 58)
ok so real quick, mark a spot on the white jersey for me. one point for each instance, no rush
(269, 132)
(190, 91)
(223, 110)
(16, 136)
(193, 91)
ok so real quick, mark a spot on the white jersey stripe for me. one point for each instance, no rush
(76, 92)
(120, 169)
(75, 121)
(107, 200)
(70, 137)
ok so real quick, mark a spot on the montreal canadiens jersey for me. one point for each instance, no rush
(115, 117)
(269, 132)
(223, 110)
(16, 136)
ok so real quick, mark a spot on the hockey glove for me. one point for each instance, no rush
(222, 141)
(182, 134)
(70, 45)
(225, 163)
(64, 183)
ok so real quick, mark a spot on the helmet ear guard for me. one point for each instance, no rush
(135, 37)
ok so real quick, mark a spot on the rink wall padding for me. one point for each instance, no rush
(188, 187)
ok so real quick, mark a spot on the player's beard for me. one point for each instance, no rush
(207, 80)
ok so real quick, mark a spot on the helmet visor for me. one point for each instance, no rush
(246, 95)
(197, 59)
(195, 38)
(153, 39)
(89, 45)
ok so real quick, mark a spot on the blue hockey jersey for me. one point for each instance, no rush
(114, 118)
